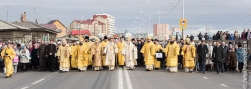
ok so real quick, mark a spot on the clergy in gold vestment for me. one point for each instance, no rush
(148, 57)
(155, 48)
(82, 61)
(188, 52)
(130, 53)
(121, 58)
(73, 57)
(63, 54)
(8, 55)
(172, 51)
(110, 51)
(88, 53)
(104, 43)
(97, 54)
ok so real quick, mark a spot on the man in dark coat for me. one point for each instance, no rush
(217, 56)
(225, 56)
(214, 37)
(140, 59)
(202, 51)
(200, 36)
(41, 56)
(50, 54)
(206, 37)
(191, 37)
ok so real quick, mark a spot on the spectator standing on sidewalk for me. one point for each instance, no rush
(243, 35)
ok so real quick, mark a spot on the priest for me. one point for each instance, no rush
(63, 54)
(82, 61)
(96, 52)
(130, 53)
(121, 58)
(188, 52)
(172, 51)
(148, 57)
(110, 51)
(72, 56)
(8, 55)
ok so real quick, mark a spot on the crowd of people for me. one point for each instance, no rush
(220, 35)
(109, 52)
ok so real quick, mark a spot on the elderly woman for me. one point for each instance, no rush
(232, 60)
(240, 55)
(24, 58)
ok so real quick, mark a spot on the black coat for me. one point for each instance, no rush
(206, 37)
(202, 52)
(225, 53)
(217, 54)
(214, 37)
(228, 37)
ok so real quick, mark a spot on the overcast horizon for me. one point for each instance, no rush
(216, 14)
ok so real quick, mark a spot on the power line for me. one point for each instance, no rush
(167, 12)
(172, 9)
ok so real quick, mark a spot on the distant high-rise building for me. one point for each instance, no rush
(161, 30)
(108, 20)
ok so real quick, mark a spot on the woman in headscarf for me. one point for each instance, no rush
(232, 60)
(24, 58)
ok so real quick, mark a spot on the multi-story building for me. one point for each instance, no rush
(99, 24)
(161, 30)
(94, 27)
(108, 20)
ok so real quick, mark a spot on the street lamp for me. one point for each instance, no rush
(35, 13)
(7, 13)
(138, 25)
(158, 5)
(143, 22)
(149, 15)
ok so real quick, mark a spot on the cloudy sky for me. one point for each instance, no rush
(216, 14)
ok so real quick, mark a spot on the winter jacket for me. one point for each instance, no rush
(240, 55)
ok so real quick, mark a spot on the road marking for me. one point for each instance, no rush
(38, 81)
(120, 84)
(128, 80)
(25, 87)
(205, 78)
(223, 85)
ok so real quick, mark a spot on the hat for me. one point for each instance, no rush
(81, 39)
(128, 38)
(105, 37)
(64, 41)
(97, 40)
(87, 37)
(148, 37)
(187, 40)
(239, 45)
(173, 38)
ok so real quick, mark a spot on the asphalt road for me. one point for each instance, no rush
(122, 79)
